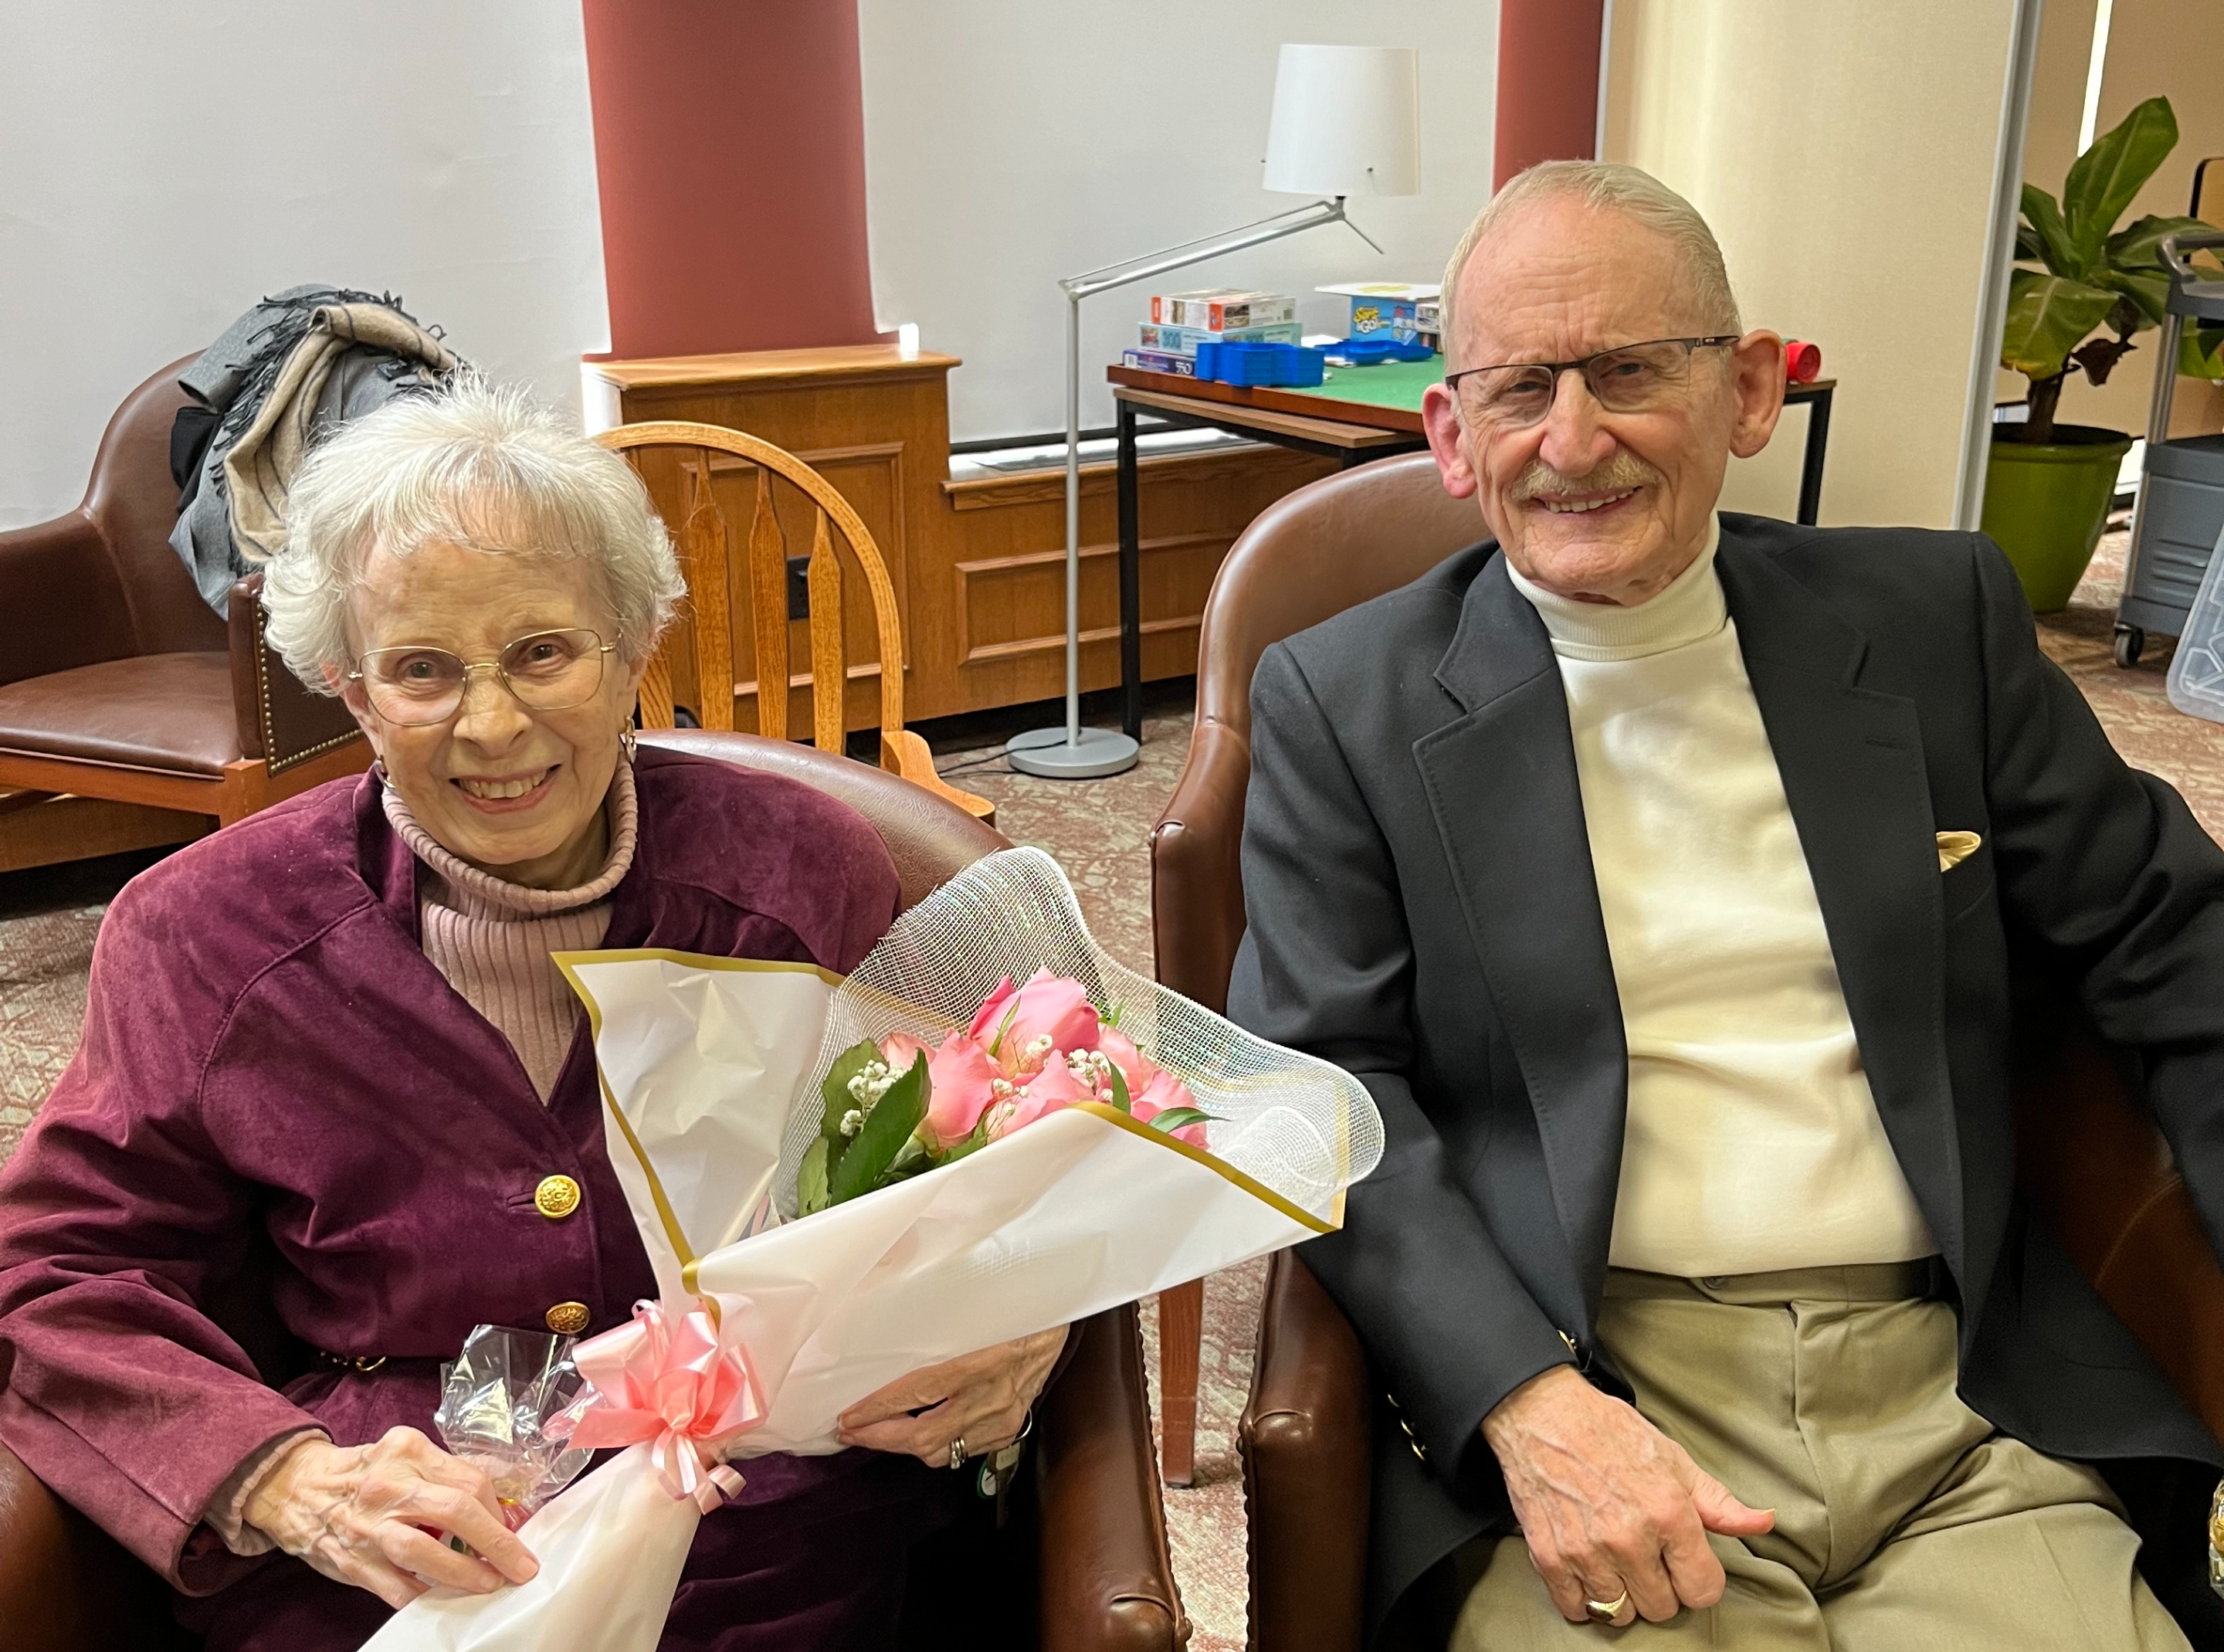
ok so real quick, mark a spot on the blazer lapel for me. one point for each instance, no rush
(1852, 764)
(1502, 785)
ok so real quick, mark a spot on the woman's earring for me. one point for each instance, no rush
(627, 741)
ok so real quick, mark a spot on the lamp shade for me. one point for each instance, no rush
(1347, 121)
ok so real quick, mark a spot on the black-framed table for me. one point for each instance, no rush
(1350, 432)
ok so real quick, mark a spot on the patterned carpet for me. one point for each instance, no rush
(1100, 833)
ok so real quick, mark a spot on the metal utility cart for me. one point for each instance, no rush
(2180, 508)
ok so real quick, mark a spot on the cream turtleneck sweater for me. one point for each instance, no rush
(1751, 1140)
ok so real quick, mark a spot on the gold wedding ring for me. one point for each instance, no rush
(957, 1451)
(1605, 1612)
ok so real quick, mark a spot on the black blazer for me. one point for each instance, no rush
(1422, 912)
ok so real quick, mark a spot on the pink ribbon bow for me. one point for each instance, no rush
(675, 1385)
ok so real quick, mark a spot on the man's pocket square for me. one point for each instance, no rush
(1955, 847)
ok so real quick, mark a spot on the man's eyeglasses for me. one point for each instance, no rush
(548, 671)
(1633, 378)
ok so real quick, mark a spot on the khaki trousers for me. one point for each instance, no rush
(1902, 1522)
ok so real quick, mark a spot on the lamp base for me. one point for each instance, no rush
(1045, 754)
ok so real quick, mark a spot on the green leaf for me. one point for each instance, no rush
(2201, 354)
(1120, 1096)
(2138, 244)
(1003, 1027)
(2147, 290)
(873, 1150)
(2026, 244)
(811, 1179)
(1176, 1118)
(1110, 1014)
(2054, 250)
(2049, 316)
(2103, 180)
(835, 1087)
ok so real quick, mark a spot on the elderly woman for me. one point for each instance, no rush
(335, 1106)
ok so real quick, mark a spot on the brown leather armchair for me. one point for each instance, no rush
(1104, 1579)
(117, 683)
(2092, 1160)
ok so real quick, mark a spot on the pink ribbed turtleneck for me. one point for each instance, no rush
(492, 939)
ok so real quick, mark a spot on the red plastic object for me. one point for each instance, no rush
(1801, 362)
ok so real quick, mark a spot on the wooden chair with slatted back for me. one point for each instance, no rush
(703, 644)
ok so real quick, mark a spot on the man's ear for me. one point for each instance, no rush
(1757, 382)
(1440, 419)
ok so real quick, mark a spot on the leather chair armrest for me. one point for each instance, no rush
(1107, 1576)
(65, 1585)
(1196, 874)
(2093, 1161)
(1306, 1448)
(60, 606)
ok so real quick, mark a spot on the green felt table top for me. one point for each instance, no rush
(1391, 384)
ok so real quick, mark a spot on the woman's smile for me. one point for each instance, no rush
(505, 794)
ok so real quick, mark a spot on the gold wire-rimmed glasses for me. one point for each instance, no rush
(1629, 378)
(414, 685)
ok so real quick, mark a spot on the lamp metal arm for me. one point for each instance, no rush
(1212, 246)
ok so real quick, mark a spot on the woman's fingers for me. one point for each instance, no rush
(984, 1428)
(429, 1559)
(459, 1515)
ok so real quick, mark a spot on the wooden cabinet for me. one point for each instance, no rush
(979, 565)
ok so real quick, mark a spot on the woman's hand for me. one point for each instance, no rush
(355, 1513)
(981, 1398)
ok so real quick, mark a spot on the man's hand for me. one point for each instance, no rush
(981, 1398)
(358, 1513)
(1609, 1503)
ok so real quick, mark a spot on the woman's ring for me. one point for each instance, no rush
(957, 1451)
(1605, 1612)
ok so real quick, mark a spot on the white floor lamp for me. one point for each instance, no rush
(1346, 121)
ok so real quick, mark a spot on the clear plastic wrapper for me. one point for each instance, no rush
(508, 1405)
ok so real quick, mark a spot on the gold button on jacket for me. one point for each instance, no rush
(568, 1318)
(556, 1197)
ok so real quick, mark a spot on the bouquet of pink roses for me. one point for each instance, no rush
(841, 1181)
(896, 1108)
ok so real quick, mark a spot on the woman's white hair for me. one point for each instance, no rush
(476, 464)
(1607, 185)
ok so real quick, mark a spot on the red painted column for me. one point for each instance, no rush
(1548, 82)
(730, 150)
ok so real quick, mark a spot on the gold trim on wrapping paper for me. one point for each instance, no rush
(1259, 1191)
(567, 962)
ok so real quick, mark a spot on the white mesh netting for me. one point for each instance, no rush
(1295, 1123)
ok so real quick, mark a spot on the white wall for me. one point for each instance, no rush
(1843, 152)
(164, 165)
(1009, 142)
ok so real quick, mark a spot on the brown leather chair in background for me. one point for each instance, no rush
(1105, 1577)
(119, 684)
(2091, 1158)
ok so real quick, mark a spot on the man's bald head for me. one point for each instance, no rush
(1603, 185)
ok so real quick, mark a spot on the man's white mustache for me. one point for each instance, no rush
(1622, 471)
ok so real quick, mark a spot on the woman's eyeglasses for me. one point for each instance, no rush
(548, 671)
(1634, 378)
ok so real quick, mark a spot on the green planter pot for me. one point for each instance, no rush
(2046, 503)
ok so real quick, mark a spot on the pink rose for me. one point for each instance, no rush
(1014, 1024)
(1047, 1091)
(1135, 1068)
(1165, 1091)
(958, 1077)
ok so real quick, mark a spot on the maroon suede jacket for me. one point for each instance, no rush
(284, 1133)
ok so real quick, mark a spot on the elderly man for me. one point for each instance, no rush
(1654, 870)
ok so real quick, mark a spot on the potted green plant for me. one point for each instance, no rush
(2048, 484)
